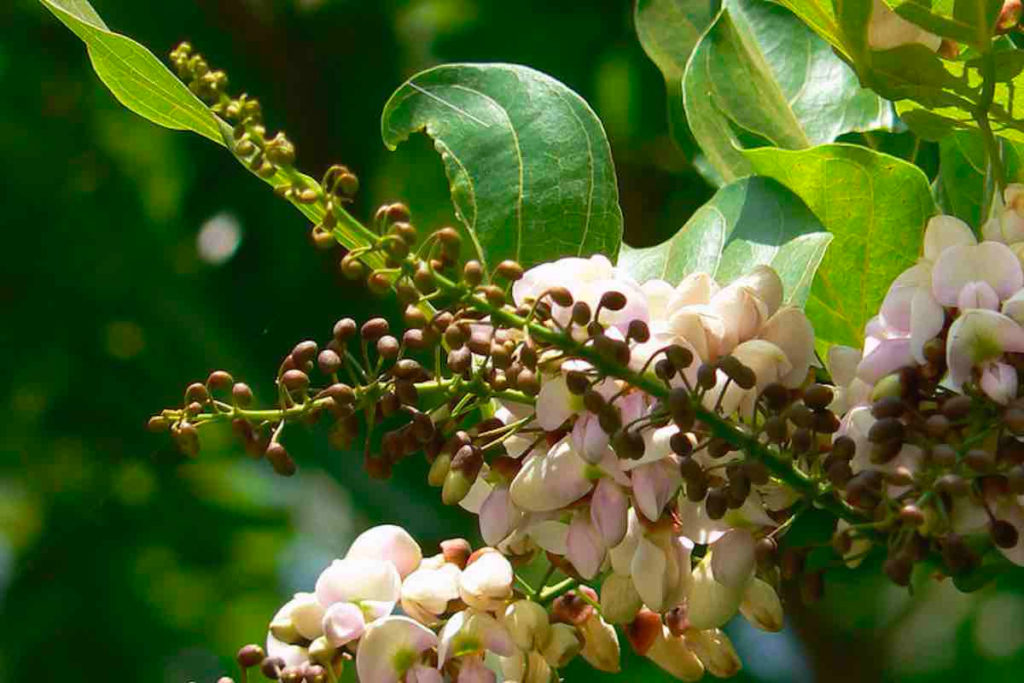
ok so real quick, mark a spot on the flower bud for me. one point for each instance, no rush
(600, 644)
(563, 645)
(674, 655)
(620, 601)
(486, 581)
(715, 651)
(527, 623)
(761, 606)
(427, 592)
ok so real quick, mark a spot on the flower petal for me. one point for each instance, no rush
(979, 336)
(498, 516)
(732, 559)
(584, 546)
(999, 382)
(550, 481)
(390, 648)
(609, 508)
(358, 580)
(790, 330)
(342, 623)
(388, 542)
(944, 232)
(990, 262)
(654, 485)
(555, 403)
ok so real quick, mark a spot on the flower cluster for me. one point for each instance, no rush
(932, 417)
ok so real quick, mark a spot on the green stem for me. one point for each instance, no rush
(551, 592)
(981, 112)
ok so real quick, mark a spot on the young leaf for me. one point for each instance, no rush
(759, 68)
(876, 207)
(527, 160)
(963, 183)
(750, 222)
(134, 75)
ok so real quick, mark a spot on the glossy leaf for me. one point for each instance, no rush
(750, 222)
(134, 75)
(964, 186)
(876, 207)
(527, 160)
(668, 31)
(759, 69)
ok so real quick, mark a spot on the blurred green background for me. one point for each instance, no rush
(137, 259)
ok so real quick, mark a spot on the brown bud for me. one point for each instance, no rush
(344, 329)
(219, 381)
(561, 296)
(888, 407)
(249, 656)
(680, 356)
(271, 667)
(509, 270)
(581, 313)
(706, 376)
(1004, 534)
(818, 396)
(613, 301)
(473, 273)
(956, 407)
(280, 460)
(374, 329)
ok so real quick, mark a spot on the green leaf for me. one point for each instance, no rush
(963, 182)
(668, 31)
(965, 21)
(761, 70)
(876, 207)
(527, 160)
(750, 222)
(136, 78)
(820, 15)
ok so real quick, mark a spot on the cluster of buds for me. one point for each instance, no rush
(271, 157)
(932, 417)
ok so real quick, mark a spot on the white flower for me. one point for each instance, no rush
(427, 592)
(472, 632)
(373, 585)
(293, 655)
(986, 272)
(660, 569)
(389, 543)
(715, 596)
(609, 511)
(392, 651)
(552, 480)
(978, 339)
(910, 309)
(486, 582)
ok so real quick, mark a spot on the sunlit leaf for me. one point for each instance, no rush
(134, 75)
(876, 207)
(761, 70)
(964, 185)
(527, 160)
(750, 222)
